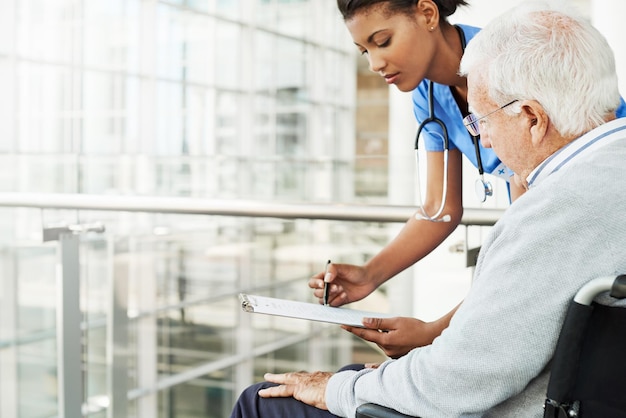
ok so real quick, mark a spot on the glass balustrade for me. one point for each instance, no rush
(165, 287)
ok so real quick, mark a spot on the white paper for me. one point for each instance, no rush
(304, 310)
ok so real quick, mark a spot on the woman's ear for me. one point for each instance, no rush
(429, 12)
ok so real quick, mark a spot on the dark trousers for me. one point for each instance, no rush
(251, 405)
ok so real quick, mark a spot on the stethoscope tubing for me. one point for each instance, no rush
(483, 189)
(446, 148)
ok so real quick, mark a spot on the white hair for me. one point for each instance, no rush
(538, 51)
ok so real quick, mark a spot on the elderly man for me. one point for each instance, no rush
(543, 90)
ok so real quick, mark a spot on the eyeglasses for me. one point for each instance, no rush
(472, 123)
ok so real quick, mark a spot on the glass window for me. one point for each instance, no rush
(208, 98)
(170, 45)
(229, 8)
(291, 65)
(293, 17)
(46, 28)
(7, 106)
(169, 138)
(104, 112)
(111, 34)
(47, 110)
(265, 63)
(227, 55)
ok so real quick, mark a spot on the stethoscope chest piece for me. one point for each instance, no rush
(483, 189)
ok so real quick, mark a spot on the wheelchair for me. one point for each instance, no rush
(589, 362)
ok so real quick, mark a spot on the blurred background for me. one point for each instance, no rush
(124, 124)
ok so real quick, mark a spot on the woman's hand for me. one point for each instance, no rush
(348, 284)
(396, 336)
(309, 388)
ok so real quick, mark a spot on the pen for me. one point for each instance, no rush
(326, 285)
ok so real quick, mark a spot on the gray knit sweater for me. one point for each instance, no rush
(493, 359)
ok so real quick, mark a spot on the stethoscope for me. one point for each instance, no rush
(483, 188)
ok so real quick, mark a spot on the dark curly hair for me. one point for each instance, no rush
(349, 8)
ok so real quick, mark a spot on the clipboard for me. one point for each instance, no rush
(305, 310)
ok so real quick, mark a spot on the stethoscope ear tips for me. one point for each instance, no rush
(483, 189)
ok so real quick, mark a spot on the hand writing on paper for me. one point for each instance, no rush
(348, 284)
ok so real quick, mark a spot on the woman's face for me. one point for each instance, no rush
(398, 47)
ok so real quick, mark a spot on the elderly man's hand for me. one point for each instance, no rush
(309, 388)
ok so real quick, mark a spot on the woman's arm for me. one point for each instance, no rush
(417, 238)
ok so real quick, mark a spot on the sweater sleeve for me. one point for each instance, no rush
(340, 397)
(504, 333)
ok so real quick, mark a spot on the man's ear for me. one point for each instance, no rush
(538, 121)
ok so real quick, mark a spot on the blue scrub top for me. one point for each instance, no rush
(446, 109)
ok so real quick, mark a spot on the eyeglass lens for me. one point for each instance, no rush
(471, 122)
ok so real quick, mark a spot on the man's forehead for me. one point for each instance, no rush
(477, 91)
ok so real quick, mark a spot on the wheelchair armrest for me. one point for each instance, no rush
(370, 410)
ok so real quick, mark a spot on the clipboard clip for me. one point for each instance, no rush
(246, 305)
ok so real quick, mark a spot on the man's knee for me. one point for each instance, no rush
(247, 405)
(355, 367)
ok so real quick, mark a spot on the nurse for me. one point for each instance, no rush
(412, 45)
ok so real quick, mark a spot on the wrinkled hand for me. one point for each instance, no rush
(396, 336)
(309, 388)
(349, 284)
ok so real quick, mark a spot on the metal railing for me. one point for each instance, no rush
(226, 207)
(68, 319)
